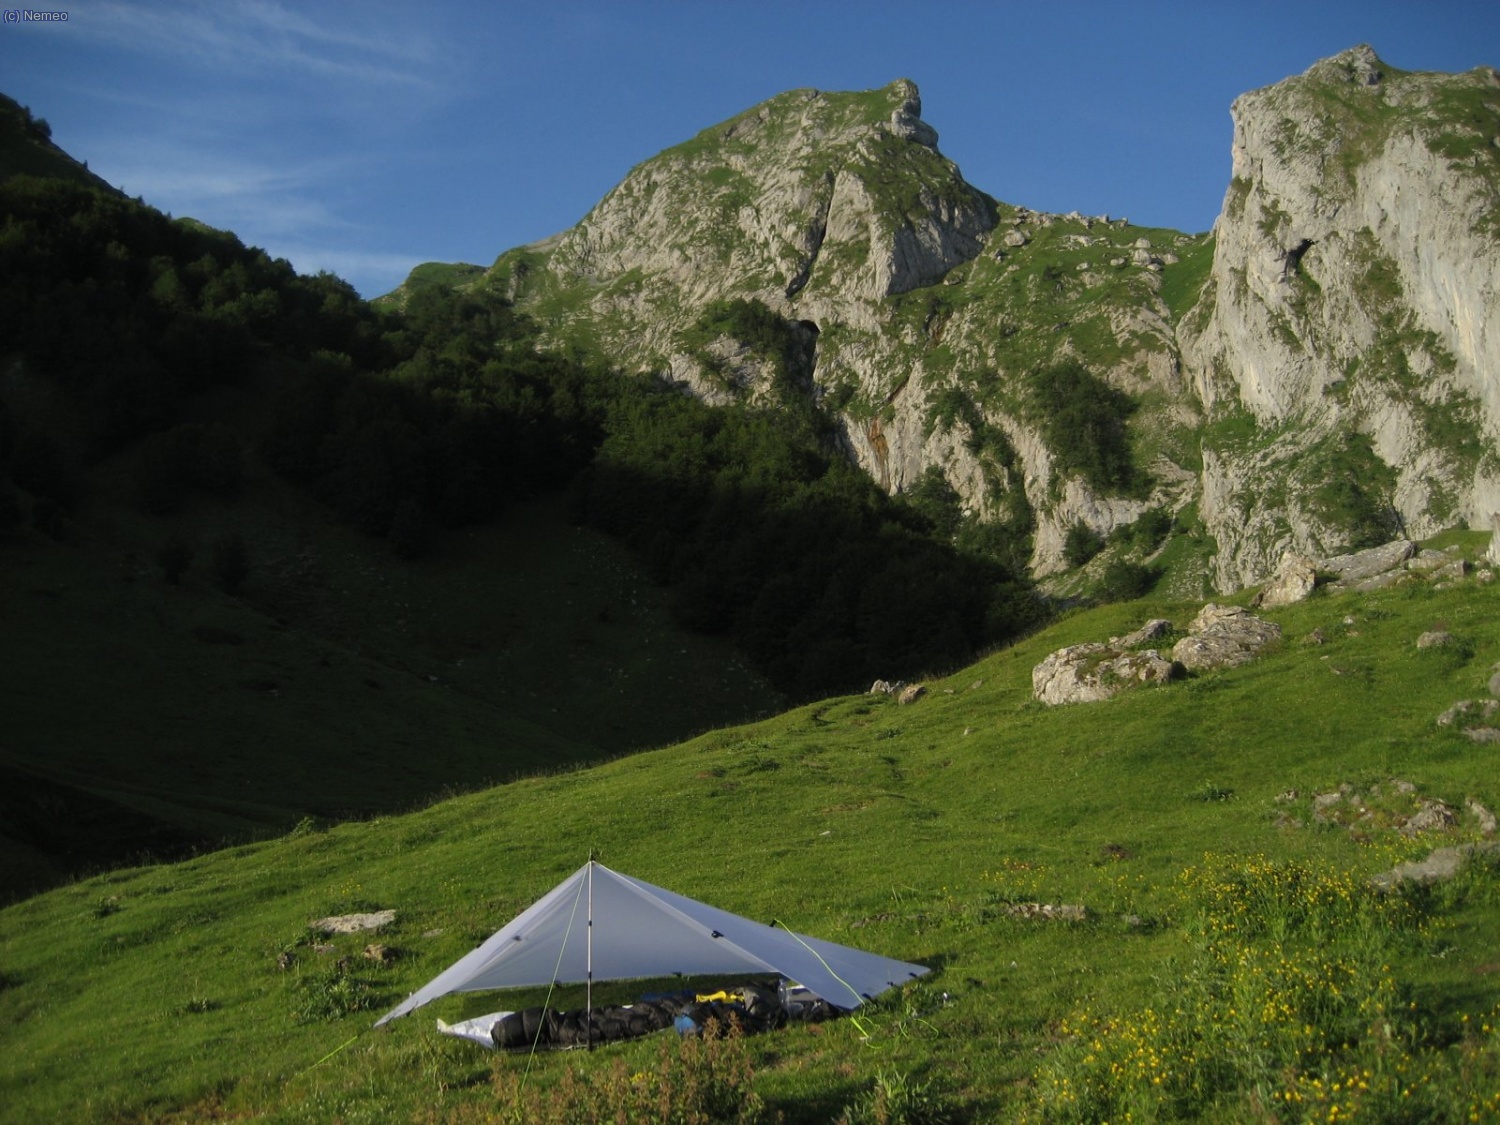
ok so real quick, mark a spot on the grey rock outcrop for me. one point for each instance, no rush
(1223, 637)
(1294, 581)
(1352, 570)
(1158, 628)
(354, 923)
(1440, 865)
(1091, 672)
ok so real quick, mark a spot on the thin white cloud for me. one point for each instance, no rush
(261, 199)
(258, 35)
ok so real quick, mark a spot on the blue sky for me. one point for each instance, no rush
(365, 137)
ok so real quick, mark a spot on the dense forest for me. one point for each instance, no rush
(121, 320)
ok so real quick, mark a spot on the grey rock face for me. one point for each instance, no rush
(1346, 215)
(1223, 637)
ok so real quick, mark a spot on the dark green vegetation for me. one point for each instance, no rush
(1215, 933)
(1084, 420)
(225, 488)
(26, 148)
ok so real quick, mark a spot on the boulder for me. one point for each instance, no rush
(1435, 638)
(1294, 580)
(1223, 637)
(1362, 566)
(1440, 864)
(353, 923)
(1090, 672)
(1153, 630)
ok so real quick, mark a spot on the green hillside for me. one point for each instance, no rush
(26, 148)
(1237, 988)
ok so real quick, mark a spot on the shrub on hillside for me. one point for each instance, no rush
(1081, 544)
(1125, 581)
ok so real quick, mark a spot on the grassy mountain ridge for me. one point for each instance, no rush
(155, 994)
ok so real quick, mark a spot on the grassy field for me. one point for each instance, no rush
(1223, 924)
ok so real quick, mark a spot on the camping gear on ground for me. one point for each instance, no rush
(598, 924)
(753, 1007)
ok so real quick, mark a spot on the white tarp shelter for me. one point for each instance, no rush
(600, 925)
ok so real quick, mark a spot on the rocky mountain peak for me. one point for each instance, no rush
(906, 119)
(1358, 66)
(1325, 382)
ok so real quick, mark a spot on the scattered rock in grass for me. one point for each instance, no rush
(1435, 638)
(1049, 911)
(1468, 708)
(1431, 816)
(1293, 581)
(1223, 636)
(381, 954)
(1392, 805)
(1324, 803)
(1441, 864)
(1482, 734)
(886, 687)
(1091, 672)
(1153, 630)
(1287, 797)
(1426, 561)
(1485, 818)
(1116, 852)
(1455, 571)
(910, 693)
(1316, 637)
(286, 960)
(1352, 571)
(353, 923)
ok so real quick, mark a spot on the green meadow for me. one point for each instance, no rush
(1232, 962)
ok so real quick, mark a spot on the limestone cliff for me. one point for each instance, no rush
(1354, 304)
